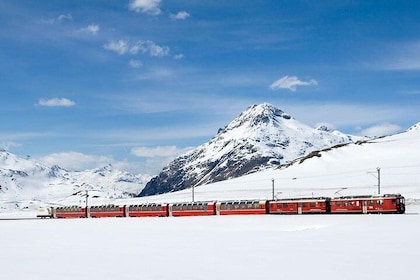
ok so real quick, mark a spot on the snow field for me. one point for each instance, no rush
(219, 247)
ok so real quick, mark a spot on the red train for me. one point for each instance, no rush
(388, 203)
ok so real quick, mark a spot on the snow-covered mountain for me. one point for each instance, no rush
(260, 137)
(414, 127)
(24, 179)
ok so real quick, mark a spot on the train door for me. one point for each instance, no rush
(364, 207)
(299, 208)
(218, 208)
(170, 210)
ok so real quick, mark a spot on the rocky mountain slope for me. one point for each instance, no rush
(261, 137)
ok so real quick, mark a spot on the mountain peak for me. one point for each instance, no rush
(257, 115)
(262, 136)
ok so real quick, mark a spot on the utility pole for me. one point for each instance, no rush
(87, 204)
(378, 176)
(272, 186)
(193, 193)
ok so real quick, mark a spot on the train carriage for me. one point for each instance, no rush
(242, 207)
(318, 205)
(389, 203)
(148, 210)
(192, 209)
(107, 211)
(69, 212)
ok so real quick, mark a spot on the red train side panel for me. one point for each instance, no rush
(106, 211)
(244, 207)
(192, 209)
(69, 212)
(388, 203)
(299, 206)
(148, 210)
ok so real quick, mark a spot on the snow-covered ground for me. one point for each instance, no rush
(240, 247)
(218, 247)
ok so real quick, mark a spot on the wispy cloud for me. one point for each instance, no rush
(151, 7)
(56, 102)
(290, 83)
(120, 46)
(401, 57)
(146, 47)
(159, 151)
(76, 161)
(180, 15)
(178, 56)
(149, 47)
(61, 18)
(92, 29)
(135, 63)
(380, 130)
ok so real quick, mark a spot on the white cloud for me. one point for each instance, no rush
(120, 46)
(380, 130)
(147, 47)
(160, 151)
(60, 19)
(64, 17)
(92, 29)
(180, 15)
(151, 7)
(135, 63)
(6, 145)
(290, 83)
(178, 56)
(56, 102)
(76, 161)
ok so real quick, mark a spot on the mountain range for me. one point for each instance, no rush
(24, 180)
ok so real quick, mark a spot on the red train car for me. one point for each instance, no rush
(389, 203)
(241, 207)
(148, 210)
(69, 212)
(318, 205)
(192, 209)
(107, 211)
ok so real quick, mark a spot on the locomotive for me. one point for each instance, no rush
(363, 204)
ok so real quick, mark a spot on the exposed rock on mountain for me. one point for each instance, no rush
(261, 137)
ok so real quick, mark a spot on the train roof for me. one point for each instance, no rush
(192, 203)
(368, 196)
(305, 199)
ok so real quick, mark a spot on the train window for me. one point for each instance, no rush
(380, 202)
(304, 205)
(370, 202)
(313, 204)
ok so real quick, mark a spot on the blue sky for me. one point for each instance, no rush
(136, 83)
